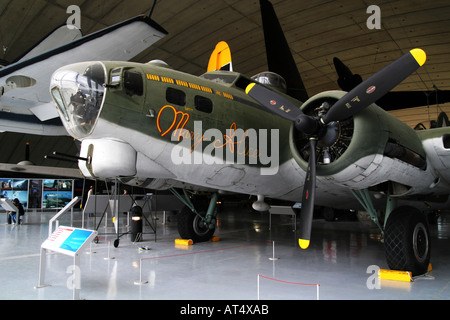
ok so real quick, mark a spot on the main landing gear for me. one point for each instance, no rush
(197, 220)
(407, 241)
(405, 232)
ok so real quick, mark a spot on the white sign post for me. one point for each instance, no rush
(68, 241)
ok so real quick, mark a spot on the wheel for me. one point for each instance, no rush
(116, 243)
(191, 226)
(407, 241)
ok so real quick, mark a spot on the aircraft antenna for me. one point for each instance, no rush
(151, 10)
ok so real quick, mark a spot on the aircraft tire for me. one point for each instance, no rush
(407, 241)
(190, 225)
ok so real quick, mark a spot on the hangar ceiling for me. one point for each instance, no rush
(316, 30)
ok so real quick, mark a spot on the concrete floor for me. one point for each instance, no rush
(341, 259)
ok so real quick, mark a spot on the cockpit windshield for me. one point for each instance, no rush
(78, 92)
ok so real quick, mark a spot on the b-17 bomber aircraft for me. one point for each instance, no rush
(155, 127)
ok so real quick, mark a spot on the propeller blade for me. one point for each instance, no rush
(273, 102)
(309, 192)
(376, 86)
(283, 107)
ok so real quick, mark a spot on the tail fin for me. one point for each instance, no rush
(279, 56)
(347, 80)
(220, 58)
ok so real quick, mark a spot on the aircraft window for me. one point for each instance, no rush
(272, 79)
(115, 76)
(203, 104)
(221, 77)
(59, 102)
(133, 83)
(176, 96)
(242, 83)
(446, 141)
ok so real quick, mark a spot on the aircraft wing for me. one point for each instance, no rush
(41, 170)
(25, 102)
(57, 38)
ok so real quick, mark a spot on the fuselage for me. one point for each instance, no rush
(210, 118)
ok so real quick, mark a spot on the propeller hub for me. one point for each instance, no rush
(307, 124)
(329, 135)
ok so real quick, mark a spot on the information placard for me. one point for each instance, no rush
(69, 240)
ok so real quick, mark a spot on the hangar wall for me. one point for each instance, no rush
(40, 193)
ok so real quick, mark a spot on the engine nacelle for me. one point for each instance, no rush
(107, 158)
(362, 151)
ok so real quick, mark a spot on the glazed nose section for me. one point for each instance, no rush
(78, 91)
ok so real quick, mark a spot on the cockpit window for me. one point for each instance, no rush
(220, 76)
(271, 79)
(79, 93)
(60, 102)
(133, 83)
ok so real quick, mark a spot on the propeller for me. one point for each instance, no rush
(392, 100)
(350, 104)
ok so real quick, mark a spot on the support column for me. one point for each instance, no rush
(211, 213)
(391, 204)
(366, 202)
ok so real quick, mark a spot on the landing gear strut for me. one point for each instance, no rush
(405, 232)
(197, 220)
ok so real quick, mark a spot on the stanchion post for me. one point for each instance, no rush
(273, 252)
(90, 249)
(108, 257)
(257, 281)
(140, 282)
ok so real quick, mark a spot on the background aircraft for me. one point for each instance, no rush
(25, 103)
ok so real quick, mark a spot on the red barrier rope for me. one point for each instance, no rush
(189, 253)
(302, 284)
(103, 239)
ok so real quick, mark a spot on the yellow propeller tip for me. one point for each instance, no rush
(304, 244)
(419, 55)
(249, 87)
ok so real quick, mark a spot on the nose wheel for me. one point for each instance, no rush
(199, 226)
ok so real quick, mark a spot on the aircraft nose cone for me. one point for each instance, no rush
(78, 90)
